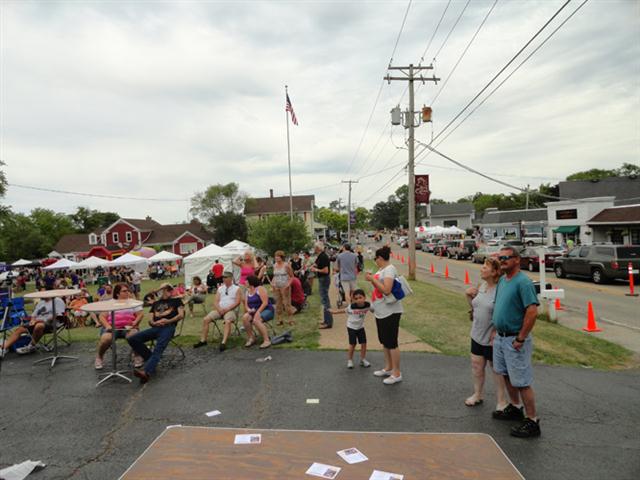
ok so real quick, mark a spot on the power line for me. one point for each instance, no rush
(514, 71)
(434, 33)
(464, 52)
(98, 195)
(383, 186)
(455, 24)
(375, 103)
(502, 70)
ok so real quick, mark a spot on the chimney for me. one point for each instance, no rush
(148, 218)
(271, 193)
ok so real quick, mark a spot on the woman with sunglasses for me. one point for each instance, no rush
(126, 321)
(482, 299)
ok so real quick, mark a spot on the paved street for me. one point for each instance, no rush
(616, 312)
(590, 419)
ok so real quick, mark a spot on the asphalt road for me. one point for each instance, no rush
(590, 419)
(617, 313)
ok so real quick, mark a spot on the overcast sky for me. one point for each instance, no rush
(161, 99)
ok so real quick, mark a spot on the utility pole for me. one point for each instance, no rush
(527, 201)
(410, 124)
(286, 113)
(350, 182)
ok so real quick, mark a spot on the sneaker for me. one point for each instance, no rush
(138, 361)
(349, 363)
(222, 347)
(382, 373)
(200, 344)
(365, 363)
(99, 364)
(527, 429)
(391, 379)
(3, 352)
(509, 413)
(26, 349)
(142, 375)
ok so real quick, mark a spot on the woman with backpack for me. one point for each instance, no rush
(387, 311)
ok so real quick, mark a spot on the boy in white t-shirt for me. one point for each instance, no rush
(355, 326)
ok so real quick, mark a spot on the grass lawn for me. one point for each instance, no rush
(440, 317)
(305, 332)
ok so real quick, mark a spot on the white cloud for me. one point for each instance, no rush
(161, 100)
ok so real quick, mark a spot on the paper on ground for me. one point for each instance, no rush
(20, 471)
(323, 471)
(251, 438)
(380, 475)
(352, 455)
(213, 413)
(313, 400)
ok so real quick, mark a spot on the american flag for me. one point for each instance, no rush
(289, 108)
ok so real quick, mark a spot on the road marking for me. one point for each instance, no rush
(613, 322)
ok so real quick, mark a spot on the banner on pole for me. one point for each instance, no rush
(352, 217)
(422, 189)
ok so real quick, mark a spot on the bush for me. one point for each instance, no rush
(279, 232)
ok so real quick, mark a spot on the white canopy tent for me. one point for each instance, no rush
(60, 264)
(90, 263)
(139, 264)
(453, 231)
(237, 247)
(21, 262)
(199, 263)
(164, 256)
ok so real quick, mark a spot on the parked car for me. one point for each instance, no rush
(533, 238)
(512, 243)
(601, 263)
(530, 260)
(442, 246)
(429, 245)
(402, 240)
(462, 249)
(484, 252)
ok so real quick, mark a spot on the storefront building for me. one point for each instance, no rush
(619, 225)
(568, 220)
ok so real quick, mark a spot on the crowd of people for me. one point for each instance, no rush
(503, 313)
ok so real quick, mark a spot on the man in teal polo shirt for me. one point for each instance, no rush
(514, 314)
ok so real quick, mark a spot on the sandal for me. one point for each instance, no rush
(265, 345)
(475, 403)
(249, 344)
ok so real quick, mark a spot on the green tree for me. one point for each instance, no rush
(363, 217)
(386, 214)
(4, 210)
(52, 226)
(279, 232)
(86, 220)
(332, 219)
(217, 199)
(628, 169)
(20, 238)
(230, 226)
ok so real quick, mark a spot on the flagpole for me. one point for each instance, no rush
(286, 93)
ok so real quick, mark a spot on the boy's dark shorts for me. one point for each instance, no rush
(357, 336)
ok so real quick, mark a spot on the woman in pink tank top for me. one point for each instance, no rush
(247, 265)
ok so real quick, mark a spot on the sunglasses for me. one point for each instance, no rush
(504, 258)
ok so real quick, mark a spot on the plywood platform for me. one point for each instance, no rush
(196, 453)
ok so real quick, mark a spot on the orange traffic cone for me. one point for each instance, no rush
(558, 305)
(591, 320)
(466, 278)
(433, 270)
(402, 259)
(446, 271)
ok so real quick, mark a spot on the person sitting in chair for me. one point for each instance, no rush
(227, 300)
(41, 322)
(165, 314)
(258, 309)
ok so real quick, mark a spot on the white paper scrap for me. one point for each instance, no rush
(251, 438)
(20, 471)
(213, 413)
(352, 455)
(313, 400)
(323, 471)
(173, 426)
(380, 475)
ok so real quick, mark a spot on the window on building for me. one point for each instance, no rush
(450, 223)
(128, 236)
(115, 237)
(635, 236)
(93, 239)
(187, 248)
(616, 237)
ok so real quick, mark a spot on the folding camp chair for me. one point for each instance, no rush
(236, 328)
(63, 325)
(177, 334)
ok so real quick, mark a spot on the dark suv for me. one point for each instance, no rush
(599, 262)
(462, 249)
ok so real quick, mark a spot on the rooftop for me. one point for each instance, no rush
(451, 209)
(618, 215)
(301, 203)
(626, 190)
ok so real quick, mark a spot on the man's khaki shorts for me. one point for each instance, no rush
(228, 317)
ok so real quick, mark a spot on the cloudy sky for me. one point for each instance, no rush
(160, 99)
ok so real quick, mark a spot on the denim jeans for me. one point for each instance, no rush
(325, 284)
(162, 336)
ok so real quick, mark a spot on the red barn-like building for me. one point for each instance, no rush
(128, 234)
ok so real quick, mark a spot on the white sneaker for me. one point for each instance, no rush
(349, 363)
(26, 349)
(392, 379)
(365, 363)
(3, 352)
(382, 373)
